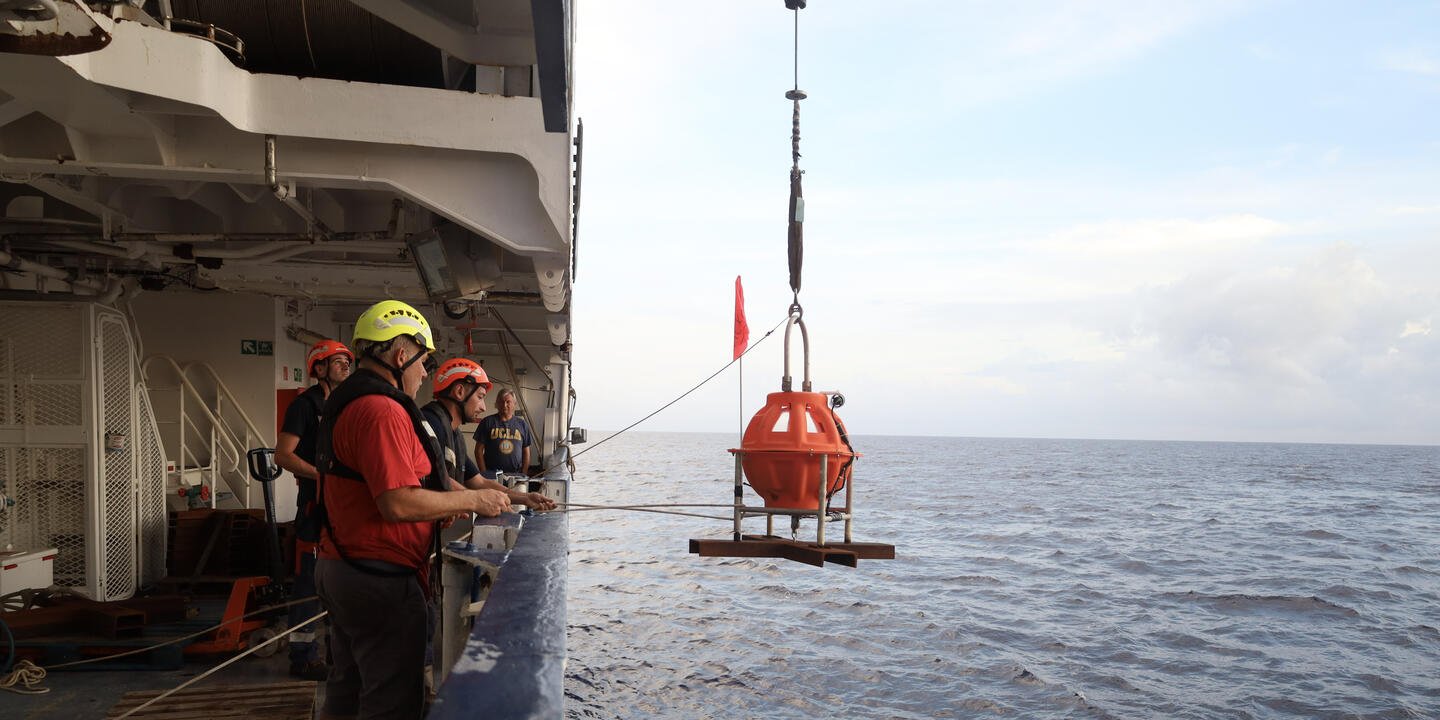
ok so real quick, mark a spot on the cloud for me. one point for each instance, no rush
(1324, 334)
(1310, 344)
(1089, 261)
(1411, 60)
(998, 52)
(1416, 327)
(1276, 285)
(1414, 210)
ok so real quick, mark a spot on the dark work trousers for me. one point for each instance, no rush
(377, 643)
(303, 646)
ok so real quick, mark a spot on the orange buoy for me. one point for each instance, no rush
(782, 449)
(796, 454)
(789, 440)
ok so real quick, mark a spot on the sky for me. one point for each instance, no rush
(1209, 220)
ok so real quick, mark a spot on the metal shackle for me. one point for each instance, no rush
(785, 382)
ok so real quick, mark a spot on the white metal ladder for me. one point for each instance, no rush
(229, 435)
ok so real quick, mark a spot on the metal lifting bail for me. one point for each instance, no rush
(795, 319)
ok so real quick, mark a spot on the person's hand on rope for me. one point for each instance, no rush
(489, 503)
(536, 501)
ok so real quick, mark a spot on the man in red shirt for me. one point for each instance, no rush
(383, 486)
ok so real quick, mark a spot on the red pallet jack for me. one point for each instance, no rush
(236, 631)
(249, 594)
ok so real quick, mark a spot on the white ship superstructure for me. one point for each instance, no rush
(193, 191)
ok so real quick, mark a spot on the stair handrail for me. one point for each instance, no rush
(239, 447)
(250, 427)
(251, 431)
(218, 426)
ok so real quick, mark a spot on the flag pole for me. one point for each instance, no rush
(742, 343)
(741, 400)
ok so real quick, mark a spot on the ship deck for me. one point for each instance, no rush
(512, 664)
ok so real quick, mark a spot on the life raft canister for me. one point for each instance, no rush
(782, 447)
(784, 442)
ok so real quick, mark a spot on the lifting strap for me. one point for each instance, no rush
(797, 195)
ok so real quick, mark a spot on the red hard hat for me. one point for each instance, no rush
(323, 351)
(459, 370)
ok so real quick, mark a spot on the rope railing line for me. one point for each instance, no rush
(172, 641)
(220, 667)
(682, 396)
(649, 510)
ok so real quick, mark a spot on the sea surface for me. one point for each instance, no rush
(1033, 579)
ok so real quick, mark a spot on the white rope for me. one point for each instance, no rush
(217, 668)
(182, 638)
(577, 507)
(27, 676)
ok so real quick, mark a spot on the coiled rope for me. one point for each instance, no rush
(27, 675)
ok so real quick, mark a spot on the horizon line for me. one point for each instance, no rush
(610, 433)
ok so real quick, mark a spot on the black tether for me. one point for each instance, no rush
(797, 229)
(797, 195)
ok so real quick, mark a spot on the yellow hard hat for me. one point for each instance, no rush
(389, 319)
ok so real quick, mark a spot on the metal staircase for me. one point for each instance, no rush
(206, 432)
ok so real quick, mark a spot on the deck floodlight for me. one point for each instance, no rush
(428, 251)
(454, 263)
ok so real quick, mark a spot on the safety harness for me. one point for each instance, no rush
(452, 443)
(361, 383)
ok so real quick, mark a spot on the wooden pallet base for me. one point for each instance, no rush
(276, 701)
(771, 546)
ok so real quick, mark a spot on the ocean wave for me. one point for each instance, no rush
(1425, 631)
(1054, 599)
(1403, 569)
(968, 579)
(1139, 567)
(1347, 591)
(1021, 675)
(1297, 604)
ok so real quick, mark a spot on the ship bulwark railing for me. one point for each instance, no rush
(513, 665)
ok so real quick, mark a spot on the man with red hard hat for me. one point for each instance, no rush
(328, 364)
(459, 388)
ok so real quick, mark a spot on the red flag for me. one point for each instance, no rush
(742, 330)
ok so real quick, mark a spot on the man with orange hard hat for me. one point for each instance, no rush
(328, 364)
(459, 388)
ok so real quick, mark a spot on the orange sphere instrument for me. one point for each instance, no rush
(782, 449)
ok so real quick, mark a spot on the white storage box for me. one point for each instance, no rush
(22, 570)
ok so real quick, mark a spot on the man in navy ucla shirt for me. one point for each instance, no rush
(502, 442)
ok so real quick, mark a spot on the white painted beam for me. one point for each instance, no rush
(404, 130)
(501, 38)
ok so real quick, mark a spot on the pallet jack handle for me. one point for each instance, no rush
(264, 470)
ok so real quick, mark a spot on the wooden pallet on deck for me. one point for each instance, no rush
(273, 701)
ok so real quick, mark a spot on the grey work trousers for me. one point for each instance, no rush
(377, 643)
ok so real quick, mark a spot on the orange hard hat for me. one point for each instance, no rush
(323, 351)
(459, 370)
